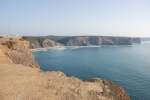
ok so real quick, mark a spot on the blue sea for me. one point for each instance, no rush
(128, 66)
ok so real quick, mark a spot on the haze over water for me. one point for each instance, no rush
(128, 66)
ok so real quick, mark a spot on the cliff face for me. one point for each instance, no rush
(41, 42)
(79, 41)
(18, 51)
(24, 81)
(50, 43)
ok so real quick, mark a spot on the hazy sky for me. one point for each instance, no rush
(75, 17)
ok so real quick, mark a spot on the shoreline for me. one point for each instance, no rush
(45, 49)
(59, 47)
(56, 47)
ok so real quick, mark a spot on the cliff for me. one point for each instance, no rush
(18, 51)
(38, 42)
(21, 79)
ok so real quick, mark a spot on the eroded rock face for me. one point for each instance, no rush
(110, 88)
(50, 43)
(18, 51)
(18, 81)
(22, 56)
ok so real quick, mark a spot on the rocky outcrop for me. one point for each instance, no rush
(118, 92)
(50, 41)
(18, 51)
(41, 42)
(21, 81)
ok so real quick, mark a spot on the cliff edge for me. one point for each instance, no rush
(21, 79)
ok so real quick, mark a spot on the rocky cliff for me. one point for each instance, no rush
(50, 41)
(18, 51)
(21, 79)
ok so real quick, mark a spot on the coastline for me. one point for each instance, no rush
(45, 49)
(58, 47)
(74, 47)
(22, 78)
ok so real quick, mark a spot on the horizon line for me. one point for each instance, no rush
(34, 35)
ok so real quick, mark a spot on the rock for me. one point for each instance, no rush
(18, 51)
(49, 43)
(109, 87)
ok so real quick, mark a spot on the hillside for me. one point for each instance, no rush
(21, 79)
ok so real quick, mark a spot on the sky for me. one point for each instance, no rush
(75, 17)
